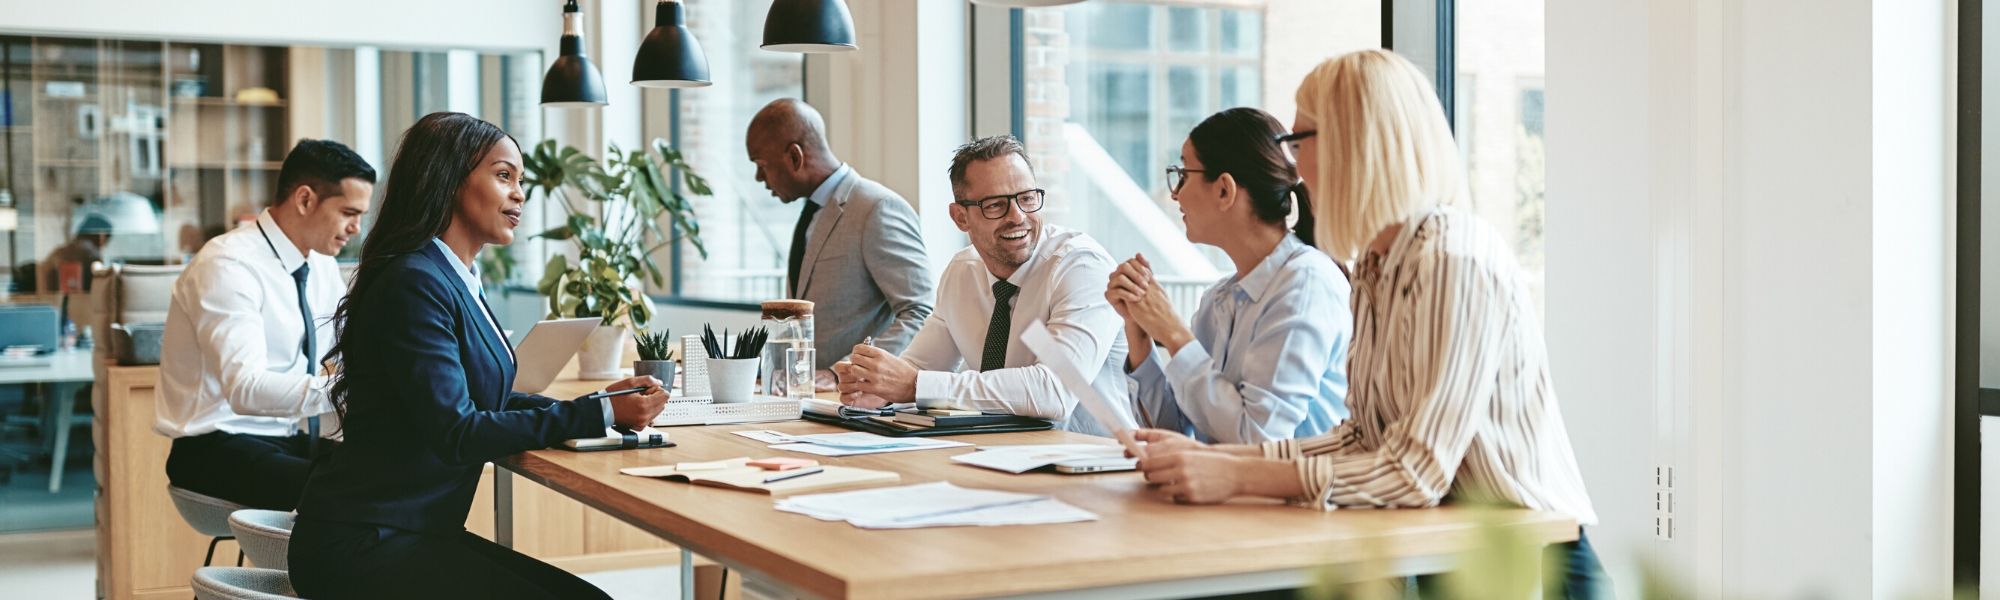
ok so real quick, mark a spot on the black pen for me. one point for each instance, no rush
(616, 393)
(798, 473)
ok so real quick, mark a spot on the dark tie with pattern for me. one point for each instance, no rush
(798, 258)
(998, 330)
(311, 348)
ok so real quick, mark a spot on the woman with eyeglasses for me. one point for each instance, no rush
(1450, 390)
(1265, 357)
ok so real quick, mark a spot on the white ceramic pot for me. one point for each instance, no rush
(602, 353)
(731, 380)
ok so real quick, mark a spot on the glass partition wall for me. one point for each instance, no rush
(139, 151)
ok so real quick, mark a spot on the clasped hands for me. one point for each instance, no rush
(874, 378)
(1149, 316)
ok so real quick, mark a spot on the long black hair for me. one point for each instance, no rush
(434, 159)
(1243, 142)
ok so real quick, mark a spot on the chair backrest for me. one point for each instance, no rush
(208, 515)
(241, 583)
(264, 535)
(129, 294)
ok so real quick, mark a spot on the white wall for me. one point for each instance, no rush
(899, 107)
(1912, 420)
(1746, 258)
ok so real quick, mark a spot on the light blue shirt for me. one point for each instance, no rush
(824, 194)
(470, 275)
(1282, 330)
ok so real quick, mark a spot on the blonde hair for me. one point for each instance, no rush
(1385, 151)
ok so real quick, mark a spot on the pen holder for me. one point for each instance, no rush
(662, 370)
(731, 379)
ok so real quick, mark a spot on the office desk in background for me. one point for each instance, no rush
(67, 371)
(1142, 547)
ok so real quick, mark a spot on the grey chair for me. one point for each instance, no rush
(239, 583)
(264, 535)
(208, 516)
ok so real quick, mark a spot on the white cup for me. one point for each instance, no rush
(731, 380)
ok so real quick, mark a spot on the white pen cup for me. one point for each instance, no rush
(731, 380)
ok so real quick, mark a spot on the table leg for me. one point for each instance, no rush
(503, 506)
(687, 574)
(65, 408)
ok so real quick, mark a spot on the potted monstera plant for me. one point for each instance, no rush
(612, 216)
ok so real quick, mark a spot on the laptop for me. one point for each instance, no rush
(547, 349)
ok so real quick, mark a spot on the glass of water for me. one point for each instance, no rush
(798, 375)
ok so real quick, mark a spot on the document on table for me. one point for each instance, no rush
(845, 444)
(1023, 458)
(939, 504)
(1107, 411)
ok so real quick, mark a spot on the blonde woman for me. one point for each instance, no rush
(1450, 395)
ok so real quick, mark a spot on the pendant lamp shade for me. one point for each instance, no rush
(572, 81)
(1026, 3)
(809, 26)
(670, 57)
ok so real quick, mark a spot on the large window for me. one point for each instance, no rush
(747, 232)
(1498, 59)
(1110, 90)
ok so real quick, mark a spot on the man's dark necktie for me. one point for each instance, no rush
(311, 348)
(798, 258)
(998, 330)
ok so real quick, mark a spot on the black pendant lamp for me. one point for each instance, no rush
(670, 57)
(572, 81)
(809, 26)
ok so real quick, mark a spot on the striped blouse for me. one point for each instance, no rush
(1449, 392)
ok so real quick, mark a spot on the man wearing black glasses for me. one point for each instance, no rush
(969, 354)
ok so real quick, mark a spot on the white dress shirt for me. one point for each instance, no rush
(232, 358)
(1061, 285)
(470, 275)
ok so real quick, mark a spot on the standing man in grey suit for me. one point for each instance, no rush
(856, 250)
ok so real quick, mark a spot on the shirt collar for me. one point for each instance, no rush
(280, 242)
(1258, 281)
(1021, 274)
(468, 273)
(824, 192)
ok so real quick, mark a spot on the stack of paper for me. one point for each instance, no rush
(1024, 458)
(938, 504)
(845, 444)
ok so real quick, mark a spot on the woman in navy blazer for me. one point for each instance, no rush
(425, 393)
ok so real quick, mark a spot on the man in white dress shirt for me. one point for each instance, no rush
(969, 354)
(241, 384)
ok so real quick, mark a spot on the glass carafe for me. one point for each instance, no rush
(790, 325)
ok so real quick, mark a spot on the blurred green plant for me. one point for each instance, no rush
(497, 265)
(632, 193)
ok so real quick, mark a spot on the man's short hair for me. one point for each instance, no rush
(986, 148)
(320, 165)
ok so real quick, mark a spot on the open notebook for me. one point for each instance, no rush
(740, 476)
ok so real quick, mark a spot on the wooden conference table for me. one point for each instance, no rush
(1143, 546)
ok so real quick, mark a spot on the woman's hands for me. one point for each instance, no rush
(1149, 316)
(636, 411)
(1192, 472)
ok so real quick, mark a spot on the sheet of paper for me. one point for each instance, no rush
(765, 435)
(822, 450)
(1038, 512)
(939, 504)
(1108, 411)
